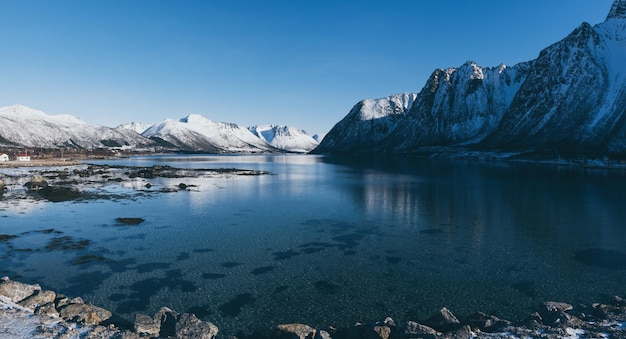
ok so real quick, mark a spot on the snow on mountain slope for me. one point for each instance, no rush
(138, 127)
(575, 95)
(198, 133)
(571, 98)
(285, 138)
(24, 126)
(319, 137)
(458, 106)
(368, 123)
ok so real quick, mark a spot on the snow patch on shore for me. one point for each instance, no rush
(17, 322)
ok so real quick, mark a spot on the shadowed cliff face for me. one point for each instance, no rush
(571, 98)
(618, 10)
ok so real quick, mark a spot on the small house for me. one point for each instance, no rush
(4, 157)
(23, 157)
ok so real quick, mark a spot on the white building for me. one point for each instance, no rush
(4, 157)
(23, 157)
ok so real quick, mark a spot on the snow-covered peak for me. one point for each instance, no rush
(138, 127)
(618, 10)
(26, 113)
(196, 119)
(370, 109)
(21, 111)
(29, 127)
(284, 137)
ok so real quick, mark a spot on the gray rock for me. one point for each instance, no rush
(189, 326)
(389, 322)
(485, 322)
(36, 183)
(16, 291)
(415, 330)
(166, 318)
(296, 331)
(378, 332)
(38, 298)
(464, 332)
(618, 301)
(47, 310)
(323, 335)
(444, 321)
(553, 306)
(602, 311)
(77, 300)
(84, 313)
(61, 300)
(147, 325)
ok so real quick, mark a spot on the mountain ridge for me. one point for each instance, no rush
(23, 126)
(572, 97)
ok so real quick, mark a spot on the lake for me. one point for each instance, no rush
(329, 241)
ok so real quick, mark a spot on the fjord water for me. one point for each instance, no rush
(331, 241)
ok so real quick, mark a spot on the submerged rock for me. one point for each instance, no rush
(59, 193)
(129, 221)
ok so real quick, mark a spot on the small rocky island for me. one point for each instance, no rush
(28, 311)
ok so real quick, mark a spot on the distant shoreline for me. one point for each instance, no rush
(40, 163)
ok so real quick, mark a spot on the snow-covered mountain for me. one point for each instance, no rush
(138, 127)
(572, 97)
(285, 138)
(575, 95)
(368, 124)
(198, 133)
(23, 126)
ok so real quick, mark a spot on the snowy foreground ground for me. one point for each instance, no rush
(27, 311)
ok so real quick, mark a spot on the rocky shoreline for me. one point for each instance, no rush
(28, 311)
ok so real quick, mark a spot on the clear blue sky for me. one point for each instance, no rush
(300, 63)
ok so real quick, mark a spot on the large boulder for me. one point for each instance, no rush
(85, 313)
(296, 331)
(146, 325)
(167, 319)
(485, 322)
(444, 321)
(37, 299)
(415, 330)
(189, 326)
(36, 183)
(16, 291)
(378, 332)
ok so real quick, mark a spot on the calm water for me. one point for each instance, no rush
(327, 241)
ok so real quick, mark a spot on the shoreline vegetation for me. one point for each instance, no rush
(28, 311)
